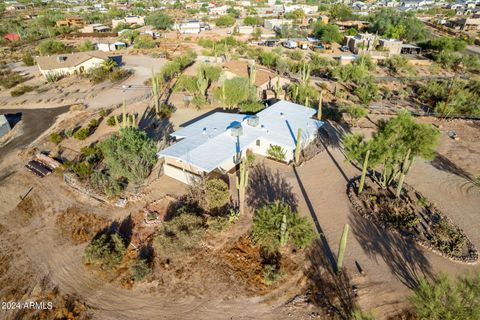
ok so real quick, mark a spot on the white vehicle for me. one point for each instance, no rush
(290, 44)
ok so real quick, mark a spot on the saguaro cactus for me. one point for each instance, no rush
(242, 182)
(364, 172)
(405, 167)
(283, 231)
(277, 88)
(156, 92)
(298, 146)
(202, 83)
(320, 102)
(342, 247)
(305, 73)
(252, 73)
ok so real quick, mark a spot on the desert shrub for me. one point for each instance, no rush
(225, 21)
(55, 137)
(111, 121)
(366, 91)
(80, 226)
(199, 101)
(276, 223)
(91, 154)
(251, 106)
(119, 74)
(443, 299)
(82, 133)
(276, 152)
(447, 238)
(296, 54)
(144, 42)
(105, 184)
(106, 251)
(217, 194)
(104, 112)
(28, 59)
(97, 75)
(139, 269)
(403, 218)
(356, 112)
(51, 46)
(9, 79)
(21, 90)
(82, 169)
(129, 154)
(272, 274)
(179, 235)
(399, 64)
(165, 111)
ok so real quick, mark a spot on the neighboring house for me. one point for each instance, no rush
(12, 37)
(16, 7)
(366, 42)
(138, 20)
(189, 27)
(265, 80)
(71, 22)
(245, 29)
(71, 63)
(94, 28)
(218, 11)
(4, 126)
(469, 24)
(305, 8)
(214, 143)
(107, 46)
(272, 24)
(393, 46)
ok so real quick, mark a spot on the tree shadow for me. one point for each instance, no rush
(156, 129)
(330, 290)
(124, 228)
(443, 163)
(405, 260)
(266, 186)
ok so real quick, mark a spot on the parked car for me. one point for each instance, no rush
(290, 44)
(344, 49)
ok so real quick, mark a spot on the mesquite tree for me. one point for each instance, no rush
(393, 148)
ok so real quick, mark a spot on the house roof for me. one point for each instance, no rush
(71, 59)
(240, 68)
(207, 143)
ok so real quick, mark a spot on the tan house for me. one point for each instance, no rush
(265, 79)
(72, 63)
(71, 22)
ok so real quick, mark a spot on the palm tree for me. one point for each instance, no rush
(108, 65)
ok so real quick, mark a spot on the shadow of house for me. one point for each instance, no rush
(405, 260)
(331, 291)
(266, 186)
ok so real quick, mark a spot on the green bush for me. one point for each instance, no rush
(82, 169)
(225, 21)
(9, 78)
(276, 152)
(28, 59)
(251, 106)
(179, 236)
(119, 74)
(105, 184)
(139, 269)
(272, 274)
(217, 194)
(165, 111)
(92, 154)
(276, 223)
(82, 133)
(51, 46)
(105, 252)
(21, 90)
(55, 137)
(111, 121)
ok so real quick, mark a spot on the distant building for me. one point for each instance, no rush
(16, 7)
(393, 46)
(245, 29)
(218, 11)
(469, 24)
(138, 20)
(95, 28)
(273, 24)
(107, 47)
(4, 126)
(74, 21)
(190, 27)
(71, 63)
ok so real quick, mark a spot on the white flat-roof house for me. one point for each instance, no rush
(189, 27)
(214, 142)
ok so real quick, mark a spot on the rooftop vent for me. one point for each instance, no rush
(236, 130)
(253, 121)
(62, 58)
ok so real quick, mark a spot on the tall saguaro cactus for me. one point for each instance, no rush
(128, 121)
(298, 146)
(156, 92)
(283, 231)
(405, 167)
(305, 73)
(364, 172)
(342, 247)
(242, 182)
(320, 102)
(202, 83)
(277, 88)
(252, 74)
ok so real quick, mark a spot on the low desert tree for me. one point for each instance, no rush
(393, 148)
(253, 21)
(86, 46)
(217, 194)
(159, 20)
(104, 183)
(328, 33)
(225, 21)
(355, 112)
(129, 154)
(106, 251)
(340, 11)
(399, 65)
(51, 46)
(233, 91)
(139, 269)
(366, 91)
(443, 298)
(144, 42)
(276, 224)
